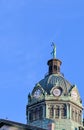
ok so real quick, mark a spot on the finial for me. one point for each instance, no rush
(54, 50)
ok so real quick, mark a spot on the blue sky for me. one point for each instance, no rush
(27, 28)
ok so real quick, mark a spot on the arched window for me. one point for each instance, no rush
(36, 114)
(57, 111)
(76, 115)
(73, 114)
(63, 111)
(51, 112)
(50, 69)
(40, 112)
(31, 115)
(80, 116)
(55, 67)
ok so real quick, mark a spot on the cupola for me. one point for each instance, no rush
(54, 64)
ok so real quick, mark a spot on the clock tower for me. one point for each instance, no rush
(55, 101)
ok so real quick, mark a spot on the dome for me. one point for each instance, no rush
(55, 80)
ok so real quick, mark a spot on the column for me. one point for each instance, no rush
(44, 111)
(47, 111)
(68, 110)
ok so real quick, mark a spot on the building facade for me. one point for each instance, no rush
(54, 102)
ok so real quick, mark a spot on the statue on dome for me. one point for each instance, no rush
(54, 50)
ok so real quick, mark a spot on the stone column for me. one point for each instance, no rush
(44, 109)
(47, 111)
(60, 112)
(68, 111)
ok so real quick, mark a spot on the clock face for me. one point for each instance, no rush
(74, 95)
(56, 92)
(37, 93)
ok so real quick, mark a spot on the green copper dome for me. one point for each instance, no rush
(55, 80)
